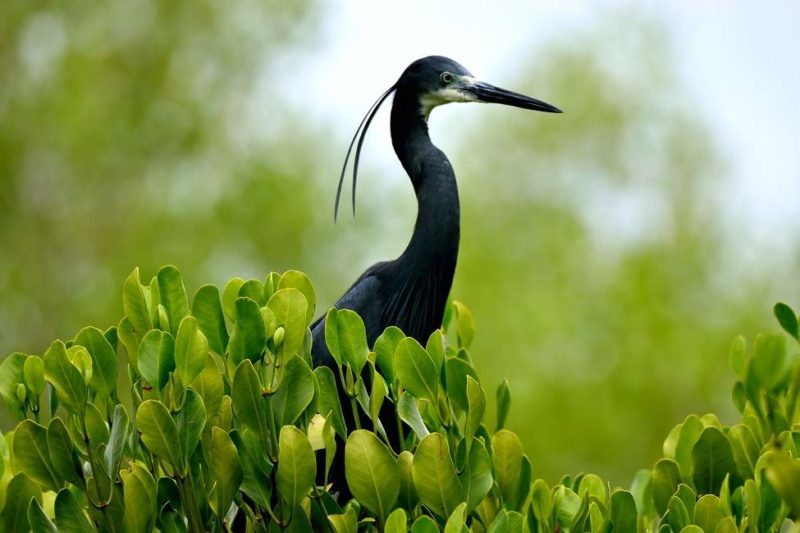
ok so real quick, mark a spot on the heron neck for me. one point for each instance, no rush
(434, 243)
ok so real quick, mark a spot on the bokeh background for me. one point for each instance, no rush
(609, 254)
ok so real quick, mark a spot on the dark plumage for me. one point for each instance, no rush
(411, 291)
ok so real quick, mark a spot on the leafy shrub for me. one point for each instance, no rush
(225, 425)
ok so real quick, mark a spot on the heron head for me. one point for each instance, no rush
(437, 80)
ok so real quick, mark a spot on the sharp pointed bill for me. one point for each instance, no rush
(484, 92)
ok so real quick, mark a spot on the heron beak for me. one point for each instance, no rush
(483, 92)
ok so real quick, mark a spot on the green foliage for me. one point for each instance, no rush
(217, 437)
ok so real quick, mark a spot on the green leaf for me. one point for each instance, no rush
(767, 366)
(65, 378)
(738, 355)
(225, 471)
(295, 392)
(104, 359)
(745, 450)
(207, 309)
(565, 506)
(476, 479)
(253, 289)
(784, 475)
(457, 371)
(32, 456)
(346, 338)
(457, 521)
(665, 480)
(33, 372)
(19, 493)
(435, 347)
(435, 476)
(191, 350)
(139, 495)
(70, 517)
(476, 405)
(210, 386)
(503, 403)
(397, 522)
(541, 502)
(294, 279)
(407, 498)
(727, 525)
(327, 398)
(465, 324)
(11, 374)
(385, 346)
(172, 294)
(713, 460)
(707, 512)
(157, 357)
(371, 471)
(409, 413)
(348, 522)
(248, 404)
(39, 521)
(230, 293)
(249, 337)
(96, 426)
(256, 468)
(677, 515)
(134, 303)
(416, 370)
(690, 432)
(787, 319)
(159, 432)
(190, 421)
(642, 490)
(377, 395)
(592, 485)
(116, 442)
(290, 307)
(296, 465)
(507, 522)
(623, 511)
(61, 452)
(507, 458)
(424, 524)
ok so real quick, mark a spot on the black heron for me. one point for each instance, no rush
(411, 291)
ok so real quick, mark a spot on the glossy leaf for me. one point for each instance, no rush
(230, 293)
(397, 522)
(456, 523)
(135, 304)
(435, 476)
(19, 493)
(172, 295)
(385, 346)
(210, 386)
(207, 310)
(256, 468)
(39, 521)
(707, 512)
(409, 413)
(745, 449)
(191, 350)
(346, 338)
(224, 469)
(507, 457)
(407, 497)
(248, 404)
(347, 522)
(541, 502)
(623, 512)
(787, 319)
(70, 517)
(476, 479)
(116, 442)
(139, 495)
(65, 378)
(157, 358)
(290, 308)
(12, 374)
(33, 373)
(713, 460)
(416, 370)
(32, 456)
(296, 465)
(104, 359)
(249, 337)
(294, 279)
(295, 392)
(159, 432)
(372, 474)
(327, 398)
(457, 371)
(61, 451)
(190, 421)
(666, 479)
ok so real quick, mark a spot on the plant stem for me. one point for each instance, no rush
(189, 500)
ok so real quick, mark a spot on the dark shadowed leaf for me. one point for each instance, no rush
(19, 493)
(713, 460)
(70, 517)
(60, 449)
(256, 468)
(786, 318)
(623, 512)
(39, 521)
(503, 404)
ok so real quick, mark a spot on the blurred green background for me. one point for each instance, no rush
(596, 257)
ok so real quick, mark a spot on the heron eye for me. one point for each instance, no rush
(447, 77)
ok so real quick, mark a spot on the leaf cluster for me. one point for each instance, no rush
(229, 426)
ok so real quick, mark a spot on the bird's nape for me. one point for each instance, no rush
(362, 127)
